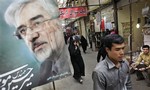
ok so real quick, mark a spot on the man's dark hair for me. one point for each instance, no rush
(145, 46)
(111, 39)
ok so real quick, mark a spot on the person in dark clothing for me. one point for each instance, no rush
(107, 32)
(84, 43)
(76, 59)
(65, 37)
(102, 52)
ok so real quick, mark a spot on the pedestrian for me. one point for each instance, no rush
(113, 72)
(90, 40)
(102, 52)
(113, 31)
(37, 23)
(84, 43)
(76, 59)
(142, 65)
(107, 32)
(65, 37)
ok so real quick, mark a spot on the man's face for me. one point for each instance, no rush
(40, 31)
(145, 50)
(116, 53)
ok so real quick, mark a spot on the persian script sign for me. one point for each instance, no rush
(73, 12)
(16, 79)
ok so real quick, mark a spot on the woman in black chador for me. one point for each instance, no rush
(76, 59)
(84, 44)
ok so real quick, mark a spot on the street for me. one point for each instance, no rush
(69, 83)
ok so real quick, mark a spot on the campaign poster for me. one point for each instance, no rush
(20, 69)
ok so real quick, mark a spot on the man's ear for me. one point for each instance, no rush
(107, 49)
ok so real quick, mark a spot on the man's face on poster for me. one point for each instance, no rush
(40, 31)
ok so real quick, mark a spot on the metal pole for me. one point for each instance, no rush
(100, 14)
(115, 16)
(99, 3)
(54, 85)
(130, 7)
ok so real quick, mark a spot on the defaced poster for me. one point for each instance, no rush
(32, 47)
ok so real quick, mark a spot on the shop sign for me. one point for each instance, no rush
(126, 31)
(73, 12)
